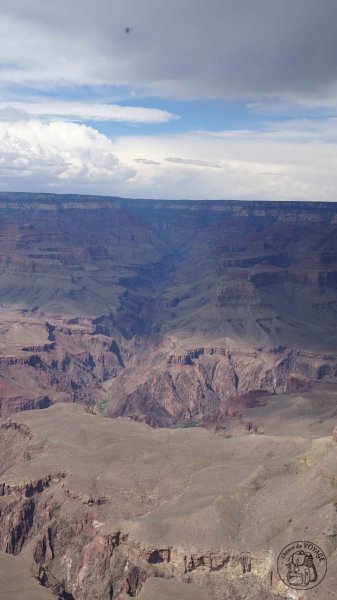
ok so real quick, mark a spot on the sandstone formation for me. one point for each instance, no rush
(208, 332)
(165, 312)
(108, 509)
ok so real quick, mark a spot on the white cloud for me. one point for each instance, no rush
(285, 161)
(85, 111)
(35, 154)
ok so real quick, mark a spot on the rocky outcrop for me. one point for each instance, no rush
(238, 293)
(98, 516)
(72, 367)
(30, 489)
(17, 516)
(162, 311)
(211, 561)
(206, 384)
(75, 561)
(17, 427)
(71, 559)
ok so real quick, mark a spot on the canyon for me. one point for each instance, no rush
(111, 509)
(166, 312)
(168, 394)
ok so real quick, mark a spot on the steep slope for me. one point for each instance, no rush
(167, 312)
(103, 506)
(176, 314)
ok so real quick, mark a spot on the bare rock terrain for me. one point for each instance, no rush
(208, 332)
(111, 509)
(165, 312)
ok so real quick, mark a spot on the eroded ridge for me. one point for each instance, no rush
(123, 504)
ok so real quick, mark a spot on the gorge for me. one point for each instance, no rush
(168, 377)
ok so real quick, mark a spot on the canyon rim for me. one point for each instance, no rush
(168, 394)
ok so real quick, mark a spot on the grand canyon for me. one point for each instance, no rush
(168, 396)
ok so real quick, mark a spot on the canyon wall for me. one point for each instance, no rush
(103, 506)
(166, 312)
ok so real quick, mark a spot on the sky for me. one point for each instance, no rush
(193, 99)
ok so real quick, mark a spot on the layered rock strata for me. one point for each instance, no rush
(102, 507)
(163, 311)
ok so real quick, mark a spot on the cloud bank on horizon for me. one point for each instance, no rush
(179, 99)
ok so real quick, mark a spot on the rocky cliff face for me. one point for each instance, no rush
(162, 311)
(100, 507)
(209, 384)
(172, 314)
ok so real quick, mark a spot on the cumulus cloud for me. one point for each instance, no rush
(85, 111)
(182, 48)
(283, 161)
(57, 154)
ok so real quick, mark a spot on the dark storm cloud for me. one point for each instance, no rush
(181, 48)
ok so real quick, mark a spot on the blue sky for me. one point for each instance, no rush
(215, 99)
